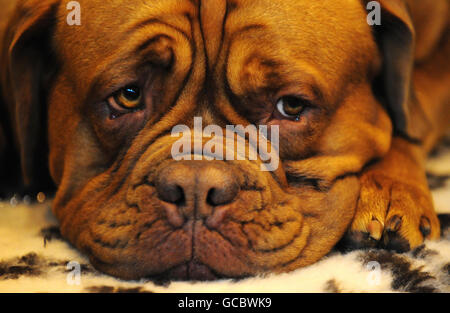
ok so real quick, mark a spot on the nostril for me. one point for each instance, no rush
(211, 198)
(222, 195)
(171, 193)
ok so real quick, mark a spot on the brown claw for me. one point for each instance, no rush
(394, 224)
(425, 226)
(375, 229)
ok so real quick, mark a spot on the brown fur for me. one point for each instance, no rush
(228, 62)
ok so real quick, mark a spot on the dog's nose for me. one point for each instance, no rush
(196, 190)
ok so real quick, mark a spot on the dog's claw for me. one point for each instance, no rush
(425, 226)
(394, 224)
(375, 229)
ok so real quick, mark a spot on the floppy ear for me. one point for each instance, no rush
(27, 67)
(396, 38)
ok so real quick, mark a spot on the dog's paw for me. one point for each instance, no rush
(391, 214)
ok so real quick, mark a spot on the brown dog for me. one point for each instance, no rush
(358, 108)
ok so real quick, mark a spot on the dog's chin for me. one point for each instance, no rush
(254, 238)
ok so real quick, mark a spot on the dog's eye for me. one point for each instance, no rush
(126, 99)
(291, 106)
(129, 97)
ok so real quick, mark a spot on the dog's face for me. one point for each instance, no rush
(134, 70)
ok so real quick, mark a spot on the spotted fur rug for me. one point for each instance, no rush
(34, 258)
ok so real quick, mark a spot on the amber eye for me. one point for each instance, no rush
(129, 97)
(291, 106)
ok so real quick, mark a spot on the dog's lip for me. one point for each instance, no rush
(192, 270)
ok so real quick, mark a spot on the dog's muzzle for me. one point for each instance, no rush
(191, 219)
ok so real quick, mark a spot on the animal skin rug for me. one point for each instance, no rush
(34, 258)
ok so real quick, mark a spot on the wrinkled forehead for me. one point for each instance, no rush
(331, 35)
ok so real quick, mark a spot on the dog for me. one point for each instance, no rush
(358, 107)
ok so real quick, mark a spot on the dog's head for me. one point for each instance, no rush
(110, 91)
